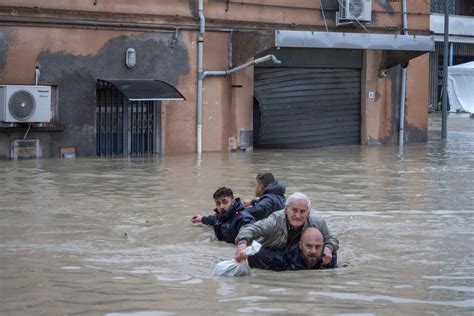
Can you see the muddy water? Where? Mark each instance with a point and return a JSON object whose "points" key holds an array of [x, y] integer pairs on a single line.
{"points": [[114, 237]]}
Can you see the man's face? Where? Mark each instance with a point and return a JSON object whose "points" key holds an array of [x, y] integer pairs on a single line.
{"points": [[311, 250], [223, 203], [297, 212], [259, 189]]}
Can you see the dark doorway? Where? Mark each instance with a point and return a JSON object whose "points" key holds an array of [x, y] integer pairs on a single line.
{"points": [[123, 127], [257, 120]]}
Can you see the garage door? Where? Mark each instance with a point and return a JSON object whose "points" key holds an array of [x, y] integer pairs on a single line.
{"points": [[298, 107]]}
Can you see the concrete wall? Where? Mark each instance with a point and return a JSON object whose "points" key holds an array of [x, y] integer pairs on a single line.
{"points": [[72, 60], [77, 42], [380, 116], [222, 13]]}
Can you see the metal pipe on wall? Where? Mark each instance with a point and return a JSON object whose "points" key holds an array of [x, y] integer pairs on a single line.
{"points": [[202, 30], [203, 74], [444, 120], [401, 133]]}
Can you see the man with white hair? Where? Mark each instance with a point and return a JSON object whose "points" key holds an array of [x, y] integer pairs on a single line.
{"points": [[283, 229]]}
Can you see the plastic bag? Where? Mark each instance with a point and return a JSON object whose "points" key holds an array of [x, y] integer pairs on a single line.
{"points": [[234, 268]]}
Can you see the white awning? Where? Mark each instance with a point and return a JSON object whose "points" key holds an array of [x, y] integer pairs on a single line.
{"points": [[396, 48]]}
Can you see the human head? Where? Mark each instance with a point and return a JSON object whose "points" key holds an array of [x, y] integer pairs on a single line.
{"points": [[311, 246], [297, 209], [263, 179], [224, 197]]}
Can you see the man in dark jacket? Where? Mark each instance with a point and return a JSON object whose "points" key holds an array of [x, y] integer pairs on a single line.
{"points": [[308, 255], [271, 196], [282, 230], [230, 215]]}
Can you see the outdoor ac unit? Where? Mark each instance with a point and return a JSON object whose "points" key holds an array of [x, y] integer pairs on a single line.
{"points": [[360, 10], [25, 104]]}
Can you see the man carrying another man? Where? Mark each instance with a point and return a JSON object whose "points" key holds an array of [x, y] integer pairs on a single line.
{"points": [[280, 235]]}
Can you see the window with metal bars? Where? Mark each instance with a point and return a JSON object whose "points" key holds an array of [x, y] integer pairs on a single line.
{"points": [[123, 127], [456, 7]]}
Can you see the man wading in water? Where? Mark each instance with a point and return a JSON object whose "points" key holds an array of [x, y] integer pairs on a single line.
{"points": [[282, 230], [271, 196]]}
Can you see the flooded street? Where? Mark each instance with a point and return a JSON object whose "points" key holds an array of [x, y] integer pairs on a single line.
{"points": [[114, 237]]}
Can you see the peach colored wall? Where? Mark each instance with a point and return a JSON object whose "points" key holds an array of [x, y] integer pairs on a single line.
{"points": [[417, 96], [295, 14], [379, 122], [178, 118], [377, 113], [216, 89], [242, 102]]}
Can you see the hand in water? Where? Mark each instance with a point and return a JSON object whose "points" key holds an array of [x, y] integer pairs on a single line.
{"points": [[240, 252], [196, 219], [327, 255]]}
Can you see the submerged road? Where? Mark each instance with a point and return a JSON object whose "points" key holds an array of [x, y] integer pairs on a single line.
{"points": [[114, 237]]}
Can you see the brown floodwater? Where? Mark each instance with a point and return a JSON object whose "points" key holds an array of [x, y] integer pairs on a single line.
{"points": [[101, 236]]}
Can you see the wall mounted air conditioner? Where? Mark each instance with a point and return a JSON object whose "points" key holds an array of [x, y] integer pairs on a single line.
{"points": [[25, 104], [351, 10]]}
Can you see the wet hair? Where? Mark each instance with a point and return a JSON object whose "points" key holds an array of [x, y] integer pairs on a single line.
{"points": [[265, 178], [223, 192], [298, 196]]}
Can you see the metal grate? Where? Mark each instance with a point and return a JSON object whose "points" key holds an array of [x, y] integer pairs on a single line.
{"points": [[123, 127], [437, 6]]}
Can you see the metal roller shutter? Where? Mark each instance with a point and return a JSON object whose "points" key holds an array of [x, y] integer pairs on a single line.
{"points": [[307, 107]]}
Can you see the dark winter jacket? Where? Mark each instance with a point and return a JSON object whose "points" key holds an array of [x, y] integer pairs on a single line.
{"points": [[272, 199], [227, 225], [278, 260], [296, 261]]}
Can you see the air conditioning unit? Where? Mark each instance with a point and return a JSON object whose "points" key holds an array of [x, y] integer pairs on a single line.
{"points": [[25, 104], [360, 10]]}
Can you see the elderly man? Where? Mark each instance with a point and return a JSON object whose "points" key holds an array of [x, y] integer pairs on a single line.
{"points": [[283, 229]]}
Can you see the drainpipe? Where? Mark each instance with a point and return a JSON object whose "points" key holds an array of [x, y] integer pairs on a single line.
{"points": [[203, 74], [444, 118], [202, 26], [401, 133]]}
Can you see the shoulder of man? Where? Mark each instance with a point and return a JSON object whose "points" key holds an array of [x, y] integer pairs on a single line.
{"points": [[314, 216]]}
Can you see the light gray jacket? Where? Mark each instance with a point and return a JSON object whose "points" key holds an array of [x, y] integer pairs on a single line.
{"points": [[272, 232]]}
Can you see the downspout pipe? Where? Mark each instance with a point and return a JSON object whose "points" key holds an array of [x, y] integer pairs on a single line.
{"points": [[401, 133], [202, 30], [201, 74], [444, 117]]}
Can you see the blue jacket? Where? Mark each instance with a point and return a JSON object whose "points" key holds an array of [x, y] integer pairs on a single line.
{"points": [[227, 225], [272, 199]]}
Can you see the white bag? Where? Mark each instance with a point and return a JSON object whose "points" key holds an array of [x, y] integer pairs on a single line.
{"points": [[234, 268]]}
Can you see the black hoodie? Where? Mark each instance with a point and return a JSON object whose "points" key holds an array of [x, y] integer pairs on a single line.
{"points": [[227, 225]]}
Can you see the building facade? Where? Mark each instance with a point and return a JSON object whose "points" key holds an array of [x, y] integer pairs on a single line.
{"points": [[338, 81], [461, 42]]}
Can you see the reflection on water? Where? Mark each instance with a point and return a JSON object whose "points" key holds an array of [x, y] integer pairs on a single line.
{"points": [[114, 236]]}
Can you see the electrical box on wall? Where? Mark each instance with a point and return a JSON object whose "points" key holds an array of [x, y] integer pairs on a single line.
{"points": [[25, 104], [25, 149]]}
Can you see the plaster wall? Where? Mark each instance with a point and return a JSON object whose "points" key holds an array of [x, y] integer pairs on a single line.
{"points": [[416, 113], [72, 60], [303, 13], [242, 102], [380, 116]]}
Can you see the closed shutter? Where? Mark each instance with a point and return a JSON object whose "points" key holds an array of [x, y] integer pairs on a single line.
{"points": [[307, 107]]}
